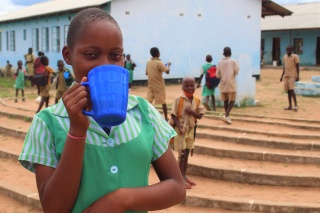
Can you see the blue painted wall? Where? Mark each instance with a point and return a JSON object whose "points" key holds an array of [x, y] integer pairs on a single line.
{"points": [[286, 37]]}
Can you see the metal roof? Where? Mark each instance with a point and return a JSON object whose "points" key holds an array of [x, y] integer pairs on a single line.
{"points": [[50, 7], [305, 16], [270, 8]]}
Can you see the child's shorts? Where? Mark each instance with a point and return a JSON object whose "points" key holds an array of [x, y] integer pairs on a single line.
{"points": [[158, 95], [44, 90], [288, 83], [230, 96], [187, 141]]}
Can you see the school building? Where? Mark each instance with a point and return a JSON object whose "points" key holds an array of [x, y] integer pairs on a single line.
{"points": [[185, 31], [301, 30]]}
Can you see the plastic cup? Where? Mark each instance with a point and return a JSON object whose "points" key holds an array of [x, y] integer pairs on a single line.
{"points": [[109, 92]]}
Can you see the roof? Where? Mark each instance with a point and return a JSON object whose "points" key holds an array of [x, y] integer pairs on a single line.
{"points": [[305, 16], [270, 8], [51, 7]]}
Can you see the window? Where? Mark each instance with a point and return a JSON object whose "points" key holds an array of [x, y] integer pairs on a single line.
{"points": [[66, 29], [35, 39], [45, 39], [12, 41], [298, 46], [7, 37], [55, 39], [0, 41], [24, 34]]}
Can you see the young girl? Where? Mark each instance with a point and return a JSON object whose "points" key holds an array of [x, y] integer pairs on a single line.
{"points": [[20, 78], [81, 167], [129, 65]]}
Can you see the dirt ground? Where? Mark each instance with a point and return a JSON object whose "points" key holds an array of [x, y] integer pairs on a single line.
{"points": [[269, 93]]}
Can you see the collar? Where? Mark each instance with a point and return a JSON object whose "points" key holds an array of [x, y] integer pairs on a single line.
{"points": [[155, 58]]}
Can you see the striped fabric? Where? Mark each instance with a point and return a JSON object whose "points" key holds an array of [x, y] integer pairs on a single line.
{"points": [[39, 144]]}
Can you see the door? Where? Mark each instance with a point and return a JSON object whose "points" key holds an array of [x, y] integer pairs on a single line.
{"points": [[318, 51], [276, 49]]}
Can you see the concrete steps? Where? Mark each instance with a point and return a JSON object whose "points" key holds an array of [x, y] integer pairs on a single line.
{"points": [[244, 164]]}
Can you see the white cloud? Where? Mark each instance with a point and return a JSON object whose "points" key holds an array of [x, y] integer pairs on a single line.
{"points": [[7, 6]]}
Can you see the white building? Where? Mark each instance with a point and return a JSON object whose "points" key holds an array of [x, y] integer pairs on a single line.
{"points": [[184, 31]]}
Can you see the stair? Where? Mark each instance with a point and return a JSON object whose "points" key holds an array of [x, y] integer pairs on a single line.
{"points": [[257, 164]]}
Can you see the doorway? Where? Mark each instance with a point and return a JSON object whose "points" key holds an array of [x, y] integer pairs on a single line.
{"points": [[318, 51], [276, 49]]}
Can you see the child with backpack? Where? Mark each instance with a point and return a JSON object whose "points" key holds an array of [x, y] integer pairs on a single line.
{"points": [[209, 71], [20, 80], [44, 89], [186, 109], [64, 80]]}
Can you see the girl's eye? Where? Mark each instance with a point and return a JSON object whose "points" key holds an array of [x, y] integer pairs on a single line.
{"points": [[116, 55], [91, 54]]}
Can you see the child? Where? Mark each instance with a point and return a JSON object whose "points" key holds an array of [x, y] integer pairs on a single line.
{"points": [[81, 167], [129, 65], [291, 71], [61, 83], [19, 83], [227, 70], [44, 90], [8, 69], [156, 85], [184, 123], [206, 92]]}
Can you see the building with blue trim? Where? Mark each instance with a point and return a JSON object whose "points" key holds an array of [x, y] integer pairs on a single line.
{"points": [[301, 29]]}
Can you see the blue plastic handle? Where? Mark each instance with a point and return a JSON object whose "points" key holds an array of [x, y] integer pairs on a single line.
{"points": [[88, 113]]}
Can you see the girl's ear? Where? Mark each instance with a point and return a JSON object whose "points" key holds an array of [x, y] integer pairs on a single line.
{"points": [[66, 53]]}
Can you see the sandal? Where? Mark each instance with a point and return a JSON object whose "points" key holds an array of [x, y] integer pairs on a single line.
{"points": [[295, 108], [191, 182], [287, 108]]}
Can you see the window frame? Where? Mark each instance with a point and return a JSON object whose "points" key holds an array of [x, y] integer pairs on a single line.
{"points": [[55, 38]]}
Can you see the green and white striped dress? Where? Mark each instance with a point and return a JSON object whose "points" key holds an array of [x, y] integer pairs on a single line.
{"points": [[121, 159]]}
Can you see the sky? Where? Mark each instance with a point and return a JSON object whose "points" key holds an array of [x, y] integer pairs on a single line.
{"points": [[8, 6]]}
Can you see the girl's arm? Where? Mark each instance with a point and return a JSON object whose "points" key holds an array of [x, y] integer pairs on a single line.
{"points": [[168, 192], [58, 188]]}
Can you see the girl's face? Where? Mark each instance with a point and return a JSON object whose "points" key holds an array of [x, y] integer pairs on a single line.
{"points": [[189, 86], [100, 44]]}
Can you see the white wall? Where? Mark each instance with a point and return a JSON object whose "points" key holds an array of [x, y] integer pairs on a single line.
{"points": [[186, 40]]}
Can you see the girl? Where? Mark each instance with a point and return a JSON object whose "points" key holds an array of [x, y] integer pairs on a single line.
{"points": [[20, 78], [129, 65], [81, 167]]}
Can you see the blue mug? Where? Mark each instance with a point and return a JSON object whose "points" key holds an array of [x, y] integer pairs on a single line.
{"points": [[109, 93]]}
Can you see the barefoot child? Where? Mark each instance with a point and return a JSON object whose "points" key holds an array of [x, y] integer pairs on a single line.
{"points": [[186, 109], [81, 167], [61, 83], [129, 65], [20, 78]]}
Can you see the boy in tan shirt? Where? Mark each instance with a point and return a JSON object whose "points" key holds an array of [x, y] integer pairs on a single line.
{"points": [[291, 73], [227, 70]]}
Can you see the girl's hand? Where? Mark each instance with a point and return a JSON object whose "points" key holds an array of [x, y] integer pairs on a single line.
{"points": [[75, 100]]}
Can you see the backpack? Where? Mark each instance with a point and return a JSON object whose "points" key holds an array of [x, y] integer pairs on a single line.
{"points": [[68, 77], [40, 77], [211, 79], [180, 106]]}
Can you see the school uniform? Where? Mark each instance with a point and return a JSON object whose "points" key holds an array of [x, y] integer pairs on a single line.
{"points": [[119, 159], [227, 70], [188, 138], [128, 66], [19, 82], [206, 91], [156, 86], [61, 84], [30, 59], [44, 90], [290, 71]]}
